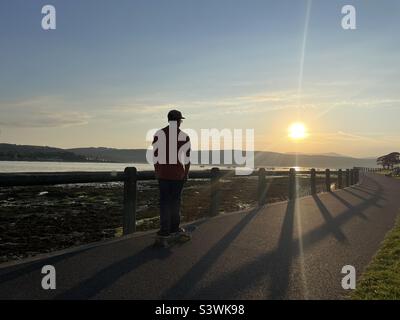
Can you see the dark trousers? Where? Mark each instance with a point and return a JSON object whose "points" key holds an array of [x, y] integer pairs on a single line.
{"points": [[170, 205]]}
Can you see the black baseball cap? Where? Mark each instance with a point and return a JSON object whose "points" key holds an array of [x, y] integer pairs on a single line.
{"points": [[175, 115]]}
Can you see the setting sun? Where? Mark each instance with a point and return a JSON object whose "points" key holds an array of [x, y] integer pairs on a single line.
{"points": [[297, 131]]}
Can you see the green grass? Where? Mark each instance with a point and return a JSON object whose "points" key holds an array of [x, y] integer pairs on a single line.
{"points": [[384, 172], [381, 280]]}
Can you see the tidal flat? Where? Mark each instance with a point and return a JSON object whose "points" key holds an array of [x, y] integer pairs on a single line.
{"points": [[44, 219]]}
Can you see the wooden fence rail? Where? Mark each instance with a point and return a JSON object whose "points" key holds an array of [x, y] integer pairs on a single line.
{"points": [[131, 176]]}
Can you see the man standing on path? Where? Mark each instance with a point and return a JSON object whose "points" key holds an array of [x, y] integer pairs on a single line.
{"points": [[171, 155]]}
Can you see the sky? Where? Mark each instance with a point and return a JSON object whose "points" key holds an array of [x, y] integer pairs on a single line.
{"points": [[111, 70]]}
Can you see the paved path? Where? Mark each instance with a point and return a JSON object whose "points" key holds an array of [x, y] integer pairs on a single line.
{"points": [[289, 250]]}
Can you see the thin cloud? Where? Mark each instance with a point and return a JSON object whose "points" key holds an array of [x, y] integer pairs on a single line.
{"points": [[40, 112], [256, 103], [351, 137]]}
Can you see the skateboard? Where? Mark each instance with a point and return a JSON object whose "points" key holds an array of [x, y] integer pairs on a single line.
{"points": [[182, 237]]}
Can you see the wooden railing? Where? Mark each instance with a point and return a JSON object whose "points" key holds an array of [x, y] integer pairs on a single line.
{"points": [[130, 177]]}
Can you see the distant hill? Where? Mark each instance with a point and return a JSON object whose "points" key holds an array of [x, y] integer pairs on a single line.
{"points": [[331, 154], [262, 158], [13, 152], [111, 154], [304, 160]]}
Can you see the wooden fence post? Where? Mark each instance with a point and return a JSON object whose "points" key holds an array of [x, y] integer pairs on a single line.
{"points": [[328, 180], [347, 177], [351, 177], [292, 184], [130, 195], [262, 187], [313, 182], [215, 192], [340, 179]]}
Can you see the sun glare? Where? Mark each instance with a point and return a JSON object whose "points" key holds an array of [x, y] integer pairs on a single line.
{"points": [[297, 131]]}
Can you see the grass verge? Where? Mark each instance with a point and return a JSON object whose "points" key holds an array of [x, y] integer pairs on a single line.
{"points": [[384, 172], [381, 280]]}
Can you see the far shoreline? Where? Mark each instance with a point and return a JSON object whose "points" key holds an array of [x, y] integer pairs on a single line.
{"points": [[60, 160]]}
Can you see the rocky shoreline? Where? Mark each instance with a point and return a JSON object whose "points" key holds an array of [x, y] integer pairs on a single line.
{"points": [[41, 219]]}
